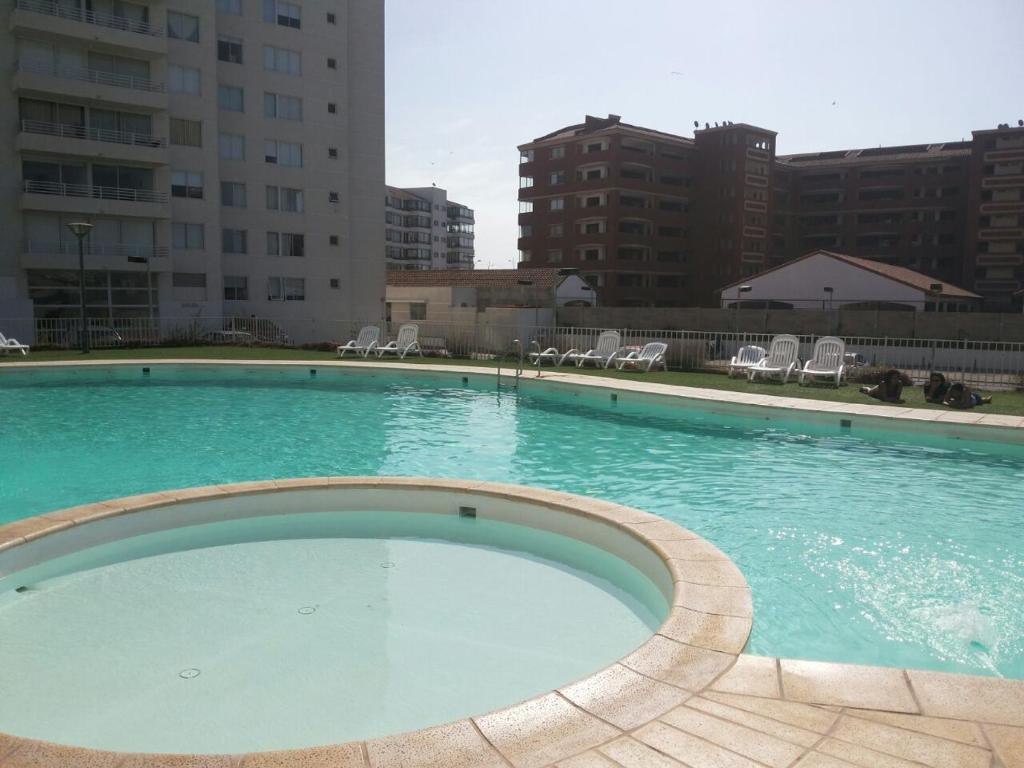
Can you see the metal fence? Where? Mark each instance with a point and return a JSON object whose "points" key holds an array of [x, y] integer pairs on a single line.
{"points": [[987, 364]]}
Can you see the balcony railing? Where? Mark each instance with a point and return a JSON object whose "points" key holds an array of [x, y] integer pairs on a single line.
{"points": [[87, 190], [108, 20], [91, 76], [122, 250], [65, 131]]}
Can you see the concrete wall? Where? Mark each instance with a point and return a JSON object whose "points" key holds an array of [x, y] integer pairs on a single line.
{"points": [[979, 326]]}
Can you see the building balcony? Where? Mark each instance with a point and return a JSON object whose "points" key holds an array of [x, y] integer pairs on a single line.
{"points": [[107, 30], [99, 143], [42, 254], [99, 201], [78, 83], [1000, 234]]}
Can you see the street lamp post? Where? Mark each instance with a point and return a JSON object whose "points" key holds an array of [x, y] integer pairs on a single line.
{"points": [[81, 230], [740, 290]]}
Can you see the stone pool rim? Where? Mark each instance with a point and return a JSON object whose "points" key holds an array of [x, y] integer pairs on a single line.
{"points": [[708, 623]]}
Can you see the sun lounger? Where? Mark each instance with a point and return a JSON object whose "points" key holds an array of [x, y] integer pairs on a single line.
{"points": [[827, 361], [12, 345], [364, 343], [407, 341], [651, 356], [747, 357], [781, 361], [609, 344]]}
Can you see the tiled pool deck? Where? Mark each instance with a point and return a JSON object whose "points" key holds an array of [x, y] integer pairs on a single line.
{"points": [[688, 697]]}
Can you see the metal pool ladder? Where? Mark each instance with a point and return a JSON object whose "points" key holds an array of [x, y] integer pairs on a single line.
{"points": [[516, 354]]}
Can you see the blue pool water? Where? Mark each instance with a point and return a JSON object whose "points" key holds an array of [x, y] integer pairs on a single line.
{"points": [[865, 547]]}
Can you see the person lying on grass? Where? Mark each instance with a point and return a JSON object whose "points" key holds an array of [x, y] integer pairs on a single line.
{"points": [[935, 388], [962, 396], [890, 388]]}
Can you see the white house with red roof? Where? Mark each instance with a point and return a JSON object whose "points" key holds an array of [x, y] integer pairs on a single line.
{"points": [[828, 280]]}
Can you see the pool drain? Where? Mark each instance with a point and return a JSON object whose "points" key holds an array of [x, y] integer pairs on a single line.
{"points": [[387, 564], [189, 673], [307, 609]]}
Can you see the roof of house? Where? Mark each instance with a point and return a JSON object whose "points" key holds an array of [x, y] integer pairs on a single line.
{"points": [[914, 152], [597, 124], [899, 274], [476, 278]]}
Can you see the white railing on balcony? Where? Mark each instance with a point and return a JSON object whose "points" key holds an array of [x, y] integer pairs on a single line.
{"points": [[120, 250], [65, 131], [90, 76], [109, 20], [88, 190]]}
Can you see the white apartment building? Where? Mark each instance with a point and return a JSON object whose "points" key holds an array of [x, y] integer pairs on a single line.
{"points": [[228, 153], [426, 230]]}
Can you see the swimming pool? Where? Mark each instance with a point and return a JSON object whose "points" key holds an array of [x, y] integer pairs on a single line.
{"points": [[875, 547]]}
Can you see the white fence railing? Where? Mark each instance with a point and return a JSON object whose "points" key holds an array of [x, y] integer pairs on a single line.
{"points": [[90, 248], [109, 20], [126, 194], [90, 76], [991, 364], [67, 131]]}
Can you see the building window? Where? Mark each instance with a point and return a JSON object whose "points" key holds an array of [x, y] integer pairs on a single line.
{"points": [[332, 153], [234, 241], [282, 13], [281, 107], [188, 279], [182, 80], [332, 63], [236, 288], [286, 289], [182, 26], [285, 244], [418, 311], [558, 204], [332, 19], [332, 108], [335, 283], [187, 237], [229, 49], [556, 230], [284, 199], [282, 153], [557, 153], [333, 240], [232, 146], [187, 184], [333, 197], [282, 60], [232, 194], [557, 177], [231, 98], [554, 256], [233, 7], [185, 133]]}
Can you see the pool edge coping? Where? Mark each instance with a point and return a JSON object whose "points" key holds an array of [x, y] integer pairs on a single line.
{"points": [[965, 420]]}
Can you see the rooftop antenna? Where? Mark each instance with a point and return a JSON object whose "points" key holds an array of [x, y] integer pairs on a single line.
{"points": [[696, 123], [716, 123], [706, 126]]}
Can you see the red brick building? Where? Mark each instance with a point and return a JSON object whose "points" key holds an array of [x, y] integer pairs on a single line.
{"points": [[657, 219]]}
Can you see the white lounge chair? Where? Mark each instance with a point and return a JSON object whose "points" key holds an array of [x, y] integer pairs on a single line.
{"points": [[651, 356], [12, 345], [407, 341], [549, 355], [609, 344], [747, 356], [364, 343], [780, 363], [827, 361]]}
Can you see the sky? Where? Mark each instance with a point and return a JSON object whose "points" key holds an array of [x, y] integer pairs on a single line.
{"points": [[469, 80]]}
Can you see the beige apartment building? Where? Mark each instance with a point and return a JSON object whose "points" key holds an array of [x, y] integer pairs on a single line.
{"points": [[228, 153]]}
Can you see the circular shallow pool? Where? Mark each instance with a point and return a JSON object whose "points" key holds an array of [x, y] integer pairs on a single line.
{"points": [[248, 623], [898, 547]]}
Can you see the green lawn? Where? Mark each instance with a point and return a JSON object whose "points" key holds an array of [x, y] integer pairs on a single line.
{"points": [[1003, 402]]}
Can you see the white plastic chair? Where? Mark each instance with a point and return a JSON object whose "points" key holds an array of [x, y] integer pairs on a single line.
{"points": [[652, 355], [609, 343], [407, 341], [13, 345], [364, 343], [827, 361], [781, 361], [746, 357]]}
